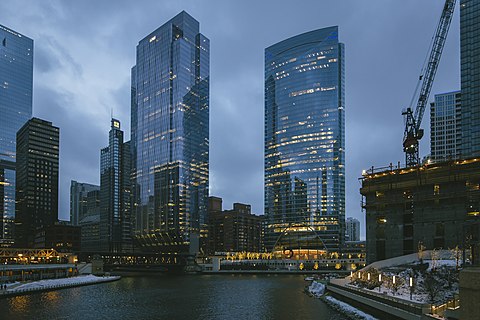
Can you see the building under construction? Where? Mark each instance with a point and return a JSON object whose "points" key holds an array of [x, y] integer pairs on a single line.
{"points": [[431, 205]]}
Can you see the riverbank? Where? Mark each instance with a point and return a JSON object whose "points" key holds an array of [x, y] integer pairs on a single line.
{"points": [[21, 288]]}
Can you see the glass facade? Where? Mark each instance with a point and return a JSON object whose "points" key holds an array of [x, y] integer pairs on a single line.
{"points": [[115, 191], [79, 204], [470, 76], [305, 143], [16, 83], [445, 127], [170, 136]]}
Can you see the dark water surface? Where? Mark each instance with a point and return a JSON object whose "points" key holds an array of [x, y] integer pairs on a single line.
{"points": [[175, 297]]}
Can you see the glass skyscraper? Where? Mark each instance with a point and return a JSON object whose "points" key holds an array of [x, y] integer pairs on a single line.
{"points": [[470, 76], [305, 144], [445, 126], [170, 136], [16, 86], [115, 193]]}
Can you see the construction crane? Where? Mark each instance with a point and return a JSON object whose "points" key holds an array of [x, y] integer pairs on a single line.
{"points": [[413, 120]]}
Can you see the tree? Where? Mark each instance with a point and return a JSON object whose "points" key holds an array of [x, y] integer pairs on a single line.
{"points": [[457, 255], [434, 257], [432, 287]]}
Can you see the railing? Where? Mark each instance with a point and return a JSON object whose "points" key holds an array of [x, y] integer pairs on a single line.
{"points": [[411, 307]]}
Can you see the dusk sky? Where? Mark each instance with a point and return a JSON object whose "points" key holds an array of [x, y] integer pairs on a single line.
{"points": [[84, 51]]}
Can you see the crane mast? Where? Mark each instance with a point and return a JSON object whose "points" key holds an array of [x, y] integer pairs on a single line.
{"points": [[413, 119]]}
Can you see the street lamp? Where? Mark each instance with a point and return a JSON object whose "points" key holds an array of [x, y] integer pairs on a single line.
{"points": [[379, 280], [411, 287]]}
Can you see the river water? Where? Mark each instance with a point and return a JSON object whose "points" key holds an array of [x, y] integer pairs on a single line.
{"points": [[175, 297]]}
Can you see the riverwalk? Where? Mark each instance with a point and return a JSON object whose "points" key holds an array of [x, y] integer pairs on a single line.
{"points": [[21, 288]]}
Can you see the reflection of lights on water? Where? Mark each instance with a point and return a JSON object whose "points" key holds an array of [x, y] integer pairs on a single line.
{"points": [[20, 303], [52, 296]]}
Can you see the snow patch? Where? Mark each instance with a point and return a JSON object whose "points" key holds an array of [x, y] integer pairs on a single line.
{"points": [[348, 309], [50, 283], [317, 289]]}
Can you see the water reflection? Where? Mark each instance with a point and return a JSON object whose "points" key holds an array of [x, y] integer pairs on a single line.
{"points": [[175, 297]]}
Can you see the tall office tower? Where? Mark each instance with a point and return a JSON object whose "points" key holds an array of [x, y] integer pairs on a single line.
{"points": [[16, 86], [170, 134], [470, 76], [79, 205], [305, 143], [115, 193], [37, 180], [353, 229], [445, 127]]}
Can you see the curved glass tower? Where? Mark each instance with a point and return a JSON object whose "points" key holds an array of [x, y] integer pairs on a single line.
{"points": [[170, 132], [16, 89], [305, 144]]}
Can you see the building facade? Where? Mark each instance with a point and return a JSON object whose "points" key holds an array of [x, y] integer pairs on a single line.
{"points": [[445, 127], [236, 230], [353, 229], [470, 76], [79, 200], [170, 136], [16, 87], [305, 142], [436, 206], [37, 180], [115, 193]]}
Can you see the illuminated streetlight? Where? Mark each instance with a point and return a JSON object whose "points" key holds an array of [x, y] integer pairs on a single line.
{"points": [[380, 281]]}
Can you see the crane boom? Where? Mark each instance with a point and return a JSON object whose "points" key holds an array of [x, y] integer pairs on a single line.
{"points": [[413, 132]]}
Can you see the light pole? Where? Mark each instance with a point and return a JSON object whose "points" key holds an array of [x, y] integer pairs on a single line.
{"points": [[411, 287]]}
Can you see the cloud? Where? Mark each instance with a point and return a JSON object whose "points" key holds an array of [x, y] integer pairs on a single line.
{"points": [[84, 51]]}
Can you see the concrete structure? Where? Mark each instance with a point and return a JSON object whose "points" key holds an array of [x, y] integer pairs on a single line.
{"points": [[170, 136], [305, 141], [445, 127], [470, 293], [16, 88], [352, 229], [60, 236], [37, 180], [436, 206], [234, 230]]}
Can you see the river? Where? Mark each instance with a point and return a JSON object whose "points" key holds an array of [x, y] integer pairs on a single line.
{"points": [[175, 297]]}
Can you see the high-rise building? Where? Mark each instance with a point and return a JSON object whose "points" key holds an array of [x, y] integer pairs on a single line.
{"points": [[353, 229], [445, 127], [16, 86], [434, 205], [170, 136], [235, 230], [470, 76], [79, 204], [115, 193], [90, 224], [305, 142], [37, 180]]}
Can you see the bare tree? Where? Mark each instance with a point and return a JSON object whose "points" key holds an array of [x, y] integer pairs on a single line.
{"points": [[432, 287], [434, 257]]}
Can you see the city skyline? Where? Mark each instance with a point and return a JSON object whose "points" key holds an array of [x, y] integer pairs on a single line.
{"points": [[377, 88]]}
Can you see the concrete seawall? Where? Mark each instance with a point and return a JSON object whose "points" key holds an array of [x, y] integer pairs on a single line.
{"points": [[55, 284]]}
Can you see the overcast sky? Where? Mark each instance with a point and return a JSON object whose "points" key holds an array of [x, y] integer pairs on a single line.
{"points": [[84, 51]]}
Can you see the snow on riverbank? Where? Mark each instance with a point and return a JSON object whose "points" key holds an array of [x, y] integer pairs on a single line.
{"points": [[63, 282], [316, 289], [347, 309]]}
